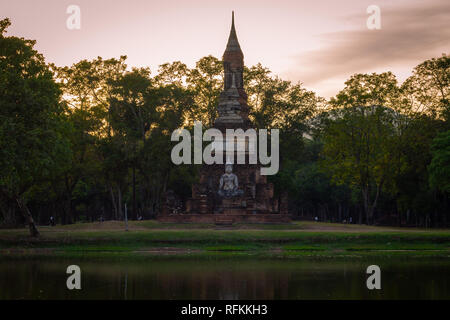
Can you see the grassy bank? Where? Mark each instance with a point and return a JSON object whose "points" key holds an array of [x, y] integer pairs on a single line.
{"points": [[288, 240]]}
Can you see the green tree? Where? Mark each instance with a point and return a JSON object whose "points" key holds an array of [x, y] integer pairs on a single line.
{"points": [[206, 82], [88, 87], [145, 112], [360, 138], [358, 151], [428, 89], [409, 186], [32, 143], [440, 164], [369, 90], [174, 73]]}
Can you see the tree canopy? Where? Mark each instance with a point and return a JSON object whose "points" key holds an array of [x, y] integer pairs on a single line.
{"points": [[78, 142]]}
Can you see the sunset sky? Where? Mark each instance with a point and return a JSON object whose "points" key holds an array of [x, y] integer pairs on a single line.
{"points": [[319, 43]]}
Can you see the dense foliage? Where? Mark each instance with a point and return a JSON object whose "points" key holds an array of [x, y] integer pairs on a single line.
{"points": [[78, 142]]}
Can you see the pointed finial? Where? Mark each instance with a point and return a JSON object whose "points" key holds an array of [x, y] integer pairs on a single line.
{"points": [[233, 43]]}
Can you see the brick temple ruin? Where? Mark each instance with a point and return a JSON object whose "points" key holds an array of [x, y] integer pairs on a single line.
{"points": [[230, 193]]}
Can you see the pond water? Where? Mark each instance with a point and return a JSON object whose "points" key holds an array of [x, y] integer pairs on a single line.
{"points": [[225, 278]]}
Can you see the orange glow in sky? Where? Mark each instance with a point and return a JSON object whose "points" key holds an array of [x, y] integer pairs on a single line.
{"points": [[319, 43]]}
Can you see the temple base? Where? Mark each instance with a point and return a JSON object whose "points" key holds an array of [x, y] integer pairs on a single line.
{"points": [[222, 218]]}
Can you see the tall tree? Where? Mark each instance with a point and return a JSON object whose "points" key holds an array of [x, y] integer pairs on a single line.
{"points": [[32, 143], [88, 87], [361, 135]]}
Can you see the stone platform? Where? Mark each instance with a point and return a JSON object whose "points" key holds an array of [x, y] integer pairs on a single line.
{"points": [[223, 218]]}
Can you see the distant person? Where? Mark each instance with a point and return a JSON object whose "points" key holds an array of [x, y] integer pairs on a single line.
{"points": [[101, 219], [350, 220], [316, 218], [52, 221], [139, 218]]}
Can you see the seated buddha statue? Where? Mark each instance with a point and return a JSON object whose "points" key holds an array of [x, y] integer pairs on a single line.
{"points": [[229, 184]]}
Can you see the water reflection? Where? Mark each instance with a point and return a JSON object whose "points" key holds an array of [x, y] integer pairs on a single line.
{"points": [[221, 278]]}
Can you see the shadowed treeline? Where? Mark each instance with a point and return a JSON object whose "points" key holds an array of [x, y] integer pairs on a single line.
{"points": [[79, 142]]}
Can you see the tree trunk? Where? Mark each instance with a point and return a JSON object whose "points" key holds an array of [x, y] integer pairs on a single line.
{"points": [[68, 209], [369, 206], [359, 215], [119, 204], [114, 203], [134, 193], [28, 217]]}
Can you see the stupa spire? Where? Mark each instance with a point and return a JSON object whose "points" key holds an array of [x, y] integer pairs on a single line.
{"points": [[233, 43], [233, 108]]}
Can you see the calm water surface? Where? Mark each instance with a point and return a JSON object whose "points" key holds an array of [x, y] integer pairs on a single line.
{"points": [[225, 278]]}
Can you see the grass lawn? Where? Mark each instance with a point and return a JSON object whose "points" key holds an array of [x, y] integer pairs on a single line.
{"points": [[298, 239]]}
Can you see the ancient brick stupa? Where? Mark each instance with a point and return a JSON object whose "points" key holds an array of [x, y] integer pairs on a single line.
{"points": [[230, 192]]}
